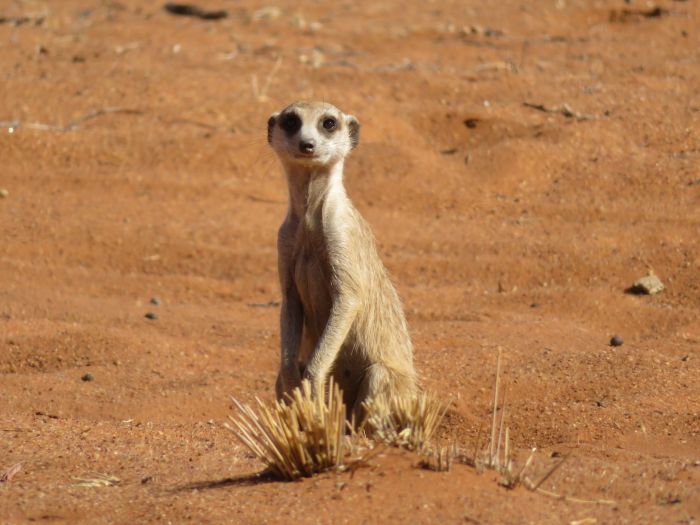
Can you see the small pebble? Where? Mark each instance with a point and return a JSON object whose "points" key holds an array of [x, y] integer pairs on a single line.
{"points": [[151, 315], [535, 305], [4, 193], [648, 285], [155, 300], [616, 340], [87, 377]]}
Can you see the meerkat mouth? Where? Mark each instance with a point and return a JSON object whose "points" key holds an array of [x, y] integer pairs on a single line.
{"points": [[302, 155]]}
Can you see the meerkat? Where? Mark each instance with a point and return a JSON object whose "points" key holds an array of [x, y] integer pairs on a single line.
{"points": [[340, 313]]}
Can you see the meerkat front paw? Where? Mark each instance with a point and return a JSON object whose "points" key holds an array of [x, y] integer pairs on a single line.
{"points": [[317, 382], [286, 383]]}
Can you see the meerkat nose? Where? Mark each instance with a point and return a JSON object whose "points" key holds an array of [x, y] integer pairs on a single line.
{"points": [[306, 146]]}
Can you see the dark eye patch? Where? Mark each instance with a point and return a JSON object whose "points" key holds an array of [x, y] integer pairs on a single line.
{"points": [[270, 124], [291, 123]]}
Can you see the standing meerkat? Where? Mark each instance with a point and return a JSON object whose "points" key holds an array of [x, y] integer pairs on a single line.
{"points": [[340, 312]]}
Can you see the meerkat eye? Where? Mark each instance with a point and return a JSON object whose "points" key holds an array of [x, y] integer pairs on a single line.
{"points": [[291, 123], [329, 124]]}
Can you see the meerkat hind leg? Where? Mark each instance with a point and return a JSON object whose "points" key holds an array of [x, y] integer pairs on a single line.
{"points": [[375, 382], [348, 375]]}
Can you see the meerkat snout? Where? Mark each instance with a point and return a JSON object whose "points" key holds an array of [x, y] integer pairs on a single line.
{"points": [[307, 146]]}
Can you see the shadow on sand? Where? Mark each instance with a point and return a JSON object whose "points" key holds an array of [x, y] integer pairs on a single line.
{"points": [[238, 481]]}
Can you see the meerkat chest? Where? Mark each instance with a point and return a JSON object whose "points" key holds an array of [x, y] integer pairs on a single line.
{"points": [[312, 273]]}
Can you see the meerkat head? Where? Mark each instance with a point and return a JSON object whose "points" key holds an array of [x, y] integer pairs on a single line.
{"points": [[312, 133]]}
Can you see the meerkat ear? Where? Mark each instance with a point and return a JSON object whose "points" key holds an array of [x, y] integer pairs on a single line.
{"points": [[271, 124], [353, 130]]}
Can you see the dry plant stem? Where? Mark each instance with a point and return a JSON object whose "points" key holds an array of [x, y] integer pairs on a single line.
{"points": [[572, 499], [98, 113], [363, 461], [500, 429], [564, 109], [478, 443], [495, 405], [8, 474], [100, 480], [527, 463], [506, 448], [550, 472], [73, 124], [261, 94]]}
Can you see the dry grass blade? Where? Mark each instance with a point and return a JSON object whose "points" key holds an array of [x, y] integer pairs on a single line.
{"points": [[548, 474], [497, 454], [296, 439], [495, 410], [261, 94], [100, 480], [8, 474], [72, 125], [572, 499], [440, 459], [405, 422]]}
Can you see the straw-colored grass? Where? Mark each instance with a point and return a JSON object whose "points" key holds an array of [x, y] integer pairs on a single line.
{"points": [[407, 422], [498, 456], [306, 435], [296, 439], [440, 459]]}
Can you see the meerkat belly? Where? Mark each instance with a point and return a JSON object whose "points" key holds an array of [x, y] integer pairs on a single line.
{"points": [[314, 294]]}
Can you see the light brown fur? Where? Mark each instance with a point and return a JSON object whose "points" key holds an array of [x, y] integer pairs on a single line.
{"points": [[340, 312]]}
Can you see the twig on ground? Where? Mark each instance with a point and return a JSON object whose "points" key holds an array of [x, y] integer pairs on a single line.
{"points": [[549, 473], [12, 125], [100, 480], [193, 10], [626, 15], [98, 113], [572, 499], [495, 66], [10, 472], [37, 20], [564, 109], [261, 94], [356, 464], [492, 443]]}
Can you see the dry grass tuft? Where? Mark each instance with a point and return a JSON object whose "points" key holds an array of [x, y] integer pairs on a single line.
{"points": [[297, 439], [405, 422], [498, 455], [306, 435], [440, 459]]}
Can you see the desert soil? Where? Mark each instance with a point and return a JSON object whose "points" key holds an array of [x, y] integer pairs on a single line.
{"points": [[521, 164]]}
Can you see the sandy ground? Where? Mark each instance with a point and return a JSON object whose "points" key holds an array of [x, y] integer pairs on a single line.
{"points": [[135, 166]]}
